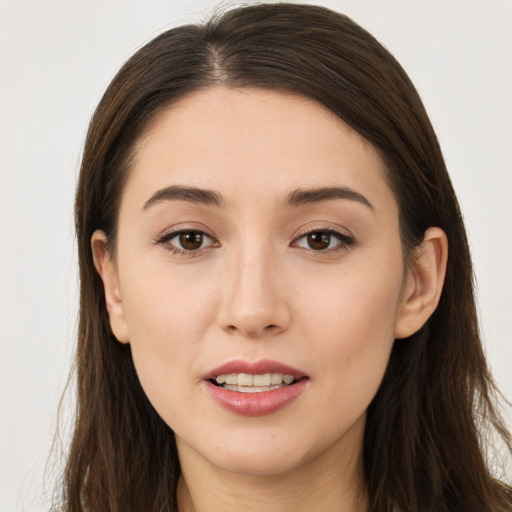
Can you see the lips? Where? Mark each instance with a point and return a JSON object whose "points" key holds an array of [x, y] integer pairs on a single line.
{"points": [[255, 388], [261, 367]]}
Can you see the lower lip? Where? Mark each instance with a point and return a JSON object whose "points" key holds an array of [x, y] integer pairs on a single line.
{"points": [[256, 404]]}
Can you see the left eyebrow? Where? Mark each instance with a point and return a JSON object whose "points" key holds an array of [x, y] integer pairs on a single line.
{"points": [[185, 193], [301, 197]]}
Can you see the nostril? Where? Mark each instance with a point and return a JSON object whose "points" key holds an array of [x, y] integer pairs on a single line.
{"points": [[269, 329]]}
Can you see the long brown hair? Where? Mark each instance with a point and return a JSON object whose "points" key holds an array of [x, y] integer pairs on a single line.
{"points": [[423, 446]]}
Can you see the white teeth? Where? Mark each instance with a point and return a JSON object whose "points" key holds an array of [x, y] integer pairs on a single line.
{"points": [[231, 379], [248, 389], [262, 380], [244, 379], [249, 383], [277, 378], [252, 389]]}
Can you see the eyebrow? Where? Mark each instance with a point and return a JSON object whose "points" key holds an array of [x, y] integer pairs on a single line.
{"points": [[185, 193], [302, 197], [296, 198]]}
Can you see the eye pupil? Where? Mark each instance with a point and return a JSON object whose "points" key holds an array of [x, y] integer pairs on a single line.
{"points": [[319, 240], [191, 240]]}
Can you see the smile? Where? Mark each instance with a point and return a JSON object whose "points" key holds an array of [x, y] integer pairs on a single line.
{"points": [[255, 388]]}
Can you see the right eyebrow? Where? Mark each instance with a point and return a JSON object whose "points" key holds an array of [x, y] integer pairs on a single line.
{"points": [[185, 193]]}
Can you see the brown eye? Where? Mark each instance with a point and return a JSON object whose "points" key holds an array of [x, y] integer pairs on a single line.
{"points": [[191, 240], [327, 240], [319, 240], [186, 241]]}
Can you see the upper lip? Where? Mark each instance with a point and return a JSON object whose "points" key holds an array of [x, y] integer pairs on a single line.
{"points": [[254, 368]]}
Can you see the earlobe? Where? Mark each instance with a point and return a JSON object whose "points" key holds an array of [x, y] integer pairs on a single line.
{"points": [[107, 270], [424, 283]]}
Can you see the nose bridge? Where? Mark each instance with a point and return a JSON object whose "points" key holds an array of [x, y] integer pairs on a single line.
{"points": [[254, 303]]}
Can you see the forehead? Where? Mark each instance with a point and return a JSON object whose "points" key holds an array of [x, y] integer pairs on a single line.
{"points": [[229, 139]]}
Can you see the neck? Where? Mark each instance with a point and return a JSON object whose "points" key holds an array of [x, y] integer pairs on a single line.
{"points": [[333, 481]]}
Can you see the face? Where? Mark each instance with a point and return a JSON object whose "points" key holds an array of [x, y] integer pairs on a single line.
{"points": [[258, 236]]}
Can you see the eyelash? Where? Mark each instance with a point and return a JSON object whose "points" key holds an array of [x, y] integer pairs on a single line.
{"points": [[344, 241], [167, 237]]}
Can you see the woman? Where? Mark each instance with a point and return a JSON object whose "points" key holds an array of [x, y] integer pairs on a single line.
{"points": [[277, 310]]}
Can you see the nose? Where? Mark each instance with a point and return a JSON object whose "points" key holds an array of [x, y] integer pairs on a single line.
{"points": [[254, 301]]}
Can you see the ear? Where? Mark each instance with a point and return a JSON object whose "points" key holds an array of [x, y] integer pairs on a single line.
{"points": [[424, 283], [107, 270]]}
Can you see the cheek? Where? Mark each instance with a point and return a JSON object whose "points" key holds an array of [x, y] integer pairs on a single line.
{"points": [[165, 303], [350, 321], [354, 304], [167, 315]]}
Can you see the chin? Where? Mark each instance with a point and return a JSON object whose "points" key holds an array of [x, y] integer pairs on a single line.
{"points": [[267, 453], [258, 463]]}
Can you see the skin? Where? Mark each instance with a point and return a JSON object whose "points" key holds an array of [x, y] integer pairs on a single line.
{"points": [[256, 289]]}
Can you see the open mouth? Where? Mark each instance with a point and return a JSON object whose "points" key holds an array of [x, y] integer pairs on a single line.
{"points": [[255, 388], [249, 383]]}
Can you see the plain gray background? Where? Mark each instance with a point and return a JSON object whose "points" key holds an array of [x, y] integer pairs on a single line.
{"points": [[56, 59]]}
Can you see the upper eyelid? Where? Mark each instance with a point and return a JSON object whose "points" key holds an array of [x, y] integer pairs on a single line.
{"points": [[173, 233], [336, 231], [169, 233]]}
